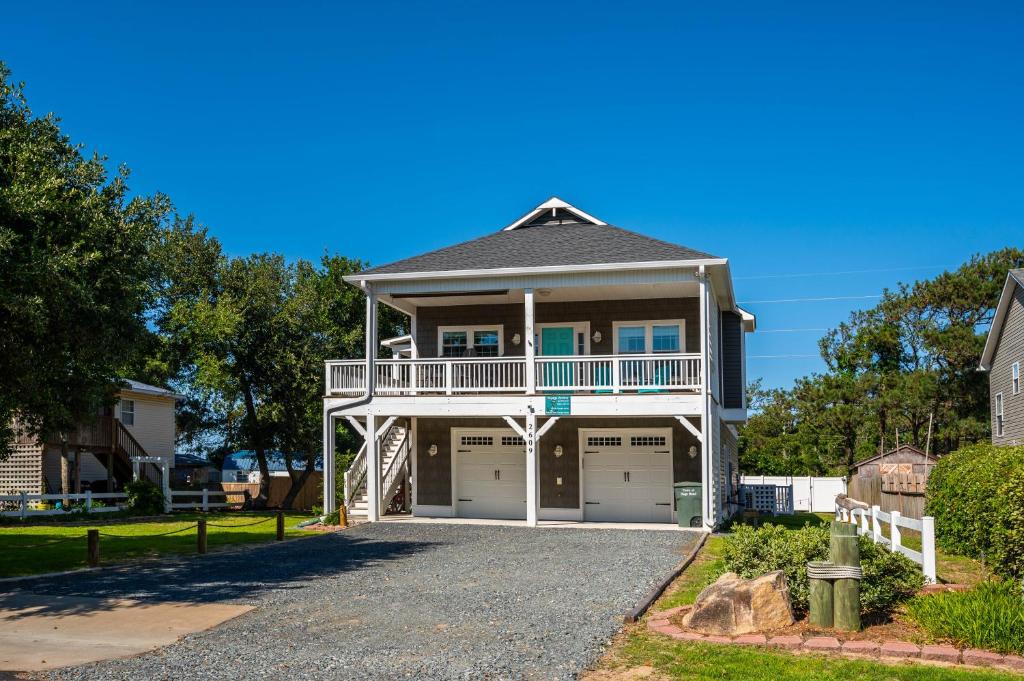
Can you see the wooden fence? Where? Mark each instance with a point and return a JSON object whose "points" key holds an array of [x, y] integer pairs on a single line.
{"points": [[905, 499], [309, 496]]}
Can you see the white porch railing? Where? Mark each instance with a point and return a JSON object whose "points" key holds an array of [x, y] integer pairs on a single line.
{"points": [[26, 504], [588, 373], [869, 519], [354, 476]]}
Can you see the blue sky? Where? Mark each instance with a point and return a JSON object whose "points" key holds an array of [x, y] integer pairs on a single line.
{"points": [[793, 138]]}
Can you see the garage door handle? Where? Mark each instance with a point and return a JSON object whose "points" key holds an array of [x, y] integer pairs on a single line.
{"points": [[592, 503], [662, 504], [465, 500]]}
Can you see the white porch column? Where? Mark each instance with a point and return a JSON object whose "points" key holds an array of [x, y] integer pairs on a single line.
{"points": [[528, 336], [532, 479], [371, 343], [372, 470], [705, 426], [329, 490]]}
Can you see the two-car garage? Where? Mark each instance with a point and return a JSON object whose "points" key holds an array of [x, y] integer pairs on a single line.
{"points": [[625, 474]]}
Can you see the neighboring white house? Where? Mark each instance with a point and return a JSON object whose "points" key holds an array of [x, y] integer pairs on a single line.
{"points": [[141, 423], [560, 368]]}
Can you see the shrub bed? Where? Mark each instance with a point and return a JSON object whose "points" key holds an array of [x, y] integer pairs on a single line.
{"points": [[990, 616], [889, 578], [976, 496]]}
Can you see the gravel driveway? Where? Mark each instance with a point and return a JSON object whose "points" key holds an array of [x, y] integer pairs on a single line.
{"points": [[390, 600]]}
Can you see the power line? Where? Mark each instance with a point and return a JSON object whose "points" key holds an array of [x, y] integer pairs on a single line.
{"points": [[808, 300], [827, 274], [788, 330], [781, 356]]}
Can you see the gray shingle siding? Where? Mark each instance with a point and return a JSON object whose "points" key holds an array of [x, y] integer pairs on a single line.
{"points": [[544, 246], [1009, 349], [732, 361]]}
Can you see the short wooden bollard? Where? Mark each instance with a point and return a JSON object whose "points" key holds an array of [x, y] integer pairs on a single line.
{"points": [[94, 548], [342, 516], [821, 614], [280, 526], [201, 535], [846, 592]]}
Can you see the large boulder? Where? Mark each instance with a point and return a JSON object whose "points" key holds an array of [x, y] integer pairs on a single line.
{"points": [[733, 605]]}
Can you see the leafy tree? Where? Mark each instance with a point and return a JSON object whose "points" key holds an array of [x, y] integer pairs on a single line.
{"points": [[906, 367], [248, 337], [75, 272]]}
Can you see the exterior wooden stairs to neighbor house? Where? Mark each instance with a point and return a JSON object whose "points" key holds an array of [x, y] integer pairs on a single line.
{"points": [[393, 448], [109, 441]]}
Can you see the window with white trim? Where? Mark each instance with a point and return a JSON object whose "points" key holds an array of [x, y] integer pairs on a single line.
{"points": [[1015, 377], [999, 414], [128, 412], [657, 336], [470, 341]]}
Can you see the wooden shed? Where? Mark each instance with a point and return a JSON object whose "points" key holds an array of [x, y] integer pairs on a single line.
{"points": [[895, 480]]}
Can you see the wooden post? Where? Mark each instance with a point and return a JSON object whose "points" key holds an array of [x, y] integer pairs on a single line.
{"points": [[201, 535], [821, 603], [846, 592], [343, 516], [280, 526], [94, 548], [78, 471], [928, 549]]}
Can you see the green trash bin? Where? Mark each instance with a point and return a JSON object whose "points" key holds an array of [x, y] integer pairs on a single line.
{"points": [[688, 502]]}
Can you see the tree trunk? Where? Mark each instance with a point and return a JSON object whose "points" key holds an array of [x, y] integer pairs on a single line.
{"points": [[65, 470], [298, 480], [256, 435]]}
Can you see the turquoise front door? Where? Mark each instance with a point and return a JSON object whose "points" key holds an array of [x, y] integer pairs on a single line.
{"points": [[557, 340]]}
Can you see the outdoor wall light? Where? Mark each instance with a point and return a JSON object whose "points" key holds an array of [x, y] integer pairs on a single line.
{"points": [[596, 337], [432, 450], [693, 451], [517, 339], [559, 451]]}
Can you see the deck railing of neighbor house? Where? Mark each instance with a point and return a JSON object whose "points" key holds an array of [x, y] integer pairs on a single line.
{"points": [[869, 519], [572, 373]]}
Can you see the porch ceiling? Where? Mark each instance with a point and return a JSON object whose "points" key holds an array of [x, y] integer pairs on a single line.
{"points": [[680, 289]]}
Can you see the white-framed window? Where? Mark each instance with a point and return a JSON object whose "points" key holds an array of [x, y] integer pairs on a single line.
{"points": [[649, 337], [999, 414], [128, 412], [1015, 377], [470, 341]]}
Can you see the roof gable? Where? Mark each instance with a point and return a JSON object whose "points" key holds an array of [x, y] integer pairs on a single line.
{"points": [[555, 234], [1014, 278]]}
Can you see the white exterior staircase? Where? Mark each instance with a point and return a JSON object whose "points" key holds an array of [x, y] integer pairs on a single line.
{"points": [[393, 450]]}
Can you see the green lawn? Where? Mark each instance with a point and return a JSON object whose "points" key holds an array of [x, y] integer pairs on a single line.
{"points": [[53, 547], [679, 660]]}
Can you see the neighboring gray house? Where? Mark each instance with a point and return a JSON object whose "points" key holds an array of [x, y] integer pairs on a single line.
{"points": [[1002, 358], [557, 369]]}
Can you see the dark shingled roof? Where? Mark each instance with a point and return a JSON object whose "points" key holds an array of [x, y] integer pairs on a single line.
{"points": [[544, 245]]}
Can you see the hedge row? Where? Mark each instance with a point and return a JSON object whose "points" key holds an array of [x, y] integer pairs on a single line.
{"points": [[976, 496]]}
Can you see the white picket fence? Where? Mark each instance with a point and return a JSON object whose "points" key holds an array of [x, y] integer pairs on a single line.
{"points": [[869, 522], [200, 500], [28, 504], [811, 494]]}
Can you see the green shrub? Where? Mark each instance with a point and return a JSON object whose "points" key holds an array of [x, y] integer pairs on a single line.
{"points": [[976, 496], [144, 497], [991, 616], [889, 578]]}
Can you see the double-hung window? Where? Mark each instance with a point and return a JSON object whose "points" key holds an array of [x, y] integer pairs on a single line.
{"points": [[128, 412], [649, 337], [470, 341], [1015, 377], [999, 414]]}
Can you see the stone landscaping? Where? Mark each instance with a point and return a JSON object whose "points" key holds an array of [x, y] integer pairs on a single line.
{"points": [[664, 622]]}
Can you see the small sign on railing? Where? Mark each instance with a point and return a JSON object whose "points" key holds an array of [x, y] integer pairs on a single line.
{"points": [[558, 405]]}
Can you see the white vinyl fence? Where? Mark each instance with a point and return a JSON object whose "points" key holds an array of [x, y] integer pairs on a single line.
{"points": [[202, 500], [811, 494], [27, 504], [869, 521]]}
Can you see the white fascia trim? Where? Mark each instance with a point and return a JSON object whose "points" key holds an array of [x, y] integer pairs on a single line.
{"points": [[748, 318], [397, 340], [988, 354], [361, 279], [554, 202]]}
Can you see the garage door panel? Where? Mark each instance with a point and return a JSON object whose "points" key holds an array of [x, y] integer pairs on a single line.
{"points": [[491, 481], [628, 483]]}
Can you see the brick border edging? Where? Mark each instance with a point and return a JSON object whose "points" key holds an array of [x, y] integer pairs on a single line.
{"points": [[889, 651]]}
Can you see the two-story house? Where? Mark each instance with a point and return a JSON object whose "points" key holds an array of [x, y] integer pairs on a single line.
{"points": [[99, 454], [1002, 359], [559, 368]]}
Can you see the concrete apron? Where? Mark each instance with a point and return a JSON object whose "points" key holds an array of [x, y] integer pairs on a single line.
{"points": [[569, 524], [39, 632]]}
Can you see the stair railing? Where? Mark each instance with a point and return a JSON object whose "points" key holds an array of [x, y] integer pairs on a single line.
{"points": [[393, 475], [355, 476]]}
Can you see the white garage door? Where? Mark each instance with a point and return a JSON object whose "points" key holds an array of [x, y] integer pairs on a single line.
{"points": [[490, 474], [627, 475]]}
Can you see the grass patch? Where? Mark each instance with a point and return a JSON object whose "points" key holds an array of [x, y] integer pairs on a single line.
{"points": [[679, 660], [50, 548], [991, 615], [704, 569]]}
